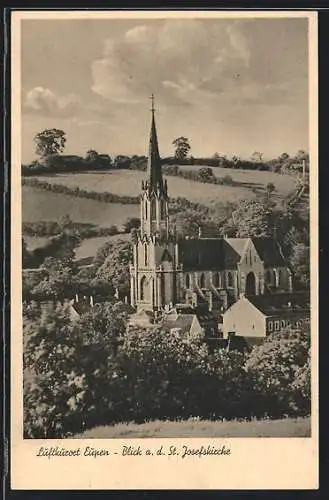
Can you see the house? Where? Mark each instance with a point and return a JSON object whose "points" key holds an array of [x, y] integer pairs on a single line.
{"points": [[260, 315]]}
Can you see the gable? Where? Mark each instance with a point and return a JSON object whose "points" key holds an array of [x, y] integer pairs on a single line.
{"points": [[243, 307], [166, 257], [269, 252]]}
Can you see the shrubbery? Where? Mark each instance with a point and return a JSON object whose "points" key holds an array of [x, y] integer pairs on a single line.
{"points": [[94, 372]]}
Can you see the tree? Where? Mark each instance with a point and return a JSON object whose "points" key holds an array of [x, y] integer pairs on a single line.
{"points": [[257, 157], [132, 223], [235, 160], [274, 368], [91, 156], [112, 261], [270, 188], [206, 174], [69, 386], [182, 148], [300, 263], [50, 142], [103, 325], [284, 157], [250, 219]]}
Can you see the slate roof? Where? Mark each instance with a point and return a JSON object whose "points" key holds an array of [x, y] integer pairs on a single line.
{"points": [[272, 305], [203, 253], [183, 321], [269, 251], [217, 254]]}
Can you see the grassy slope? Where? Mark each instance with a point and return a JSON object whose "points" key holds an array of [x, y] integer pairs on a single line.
{"points": [[41, 205], [127, 182], [300, 427], [44, 205]]}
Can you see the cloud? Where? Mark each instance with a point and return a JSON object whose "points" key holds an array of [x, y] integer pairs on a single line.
{"points": [[180, 61], [43, 101]]}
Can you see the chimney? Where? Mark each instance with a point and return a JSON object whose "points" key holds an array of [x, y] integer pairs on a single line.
{"points": [[200, 232], [91, 299], [76, 297], [304, 168]]}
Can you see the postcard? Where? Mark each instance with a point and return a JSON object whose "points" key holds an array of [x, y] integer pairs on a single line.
{"points": [[164, 250]]}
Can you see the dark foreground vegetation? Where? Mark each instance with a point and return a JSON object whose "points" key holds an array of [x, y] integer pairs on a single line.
{"points": [[92, 371]]}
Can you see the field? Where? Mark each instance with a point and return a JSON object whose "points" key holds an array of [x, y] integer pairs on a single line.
{"points": [[45, 205], [89, 246], [284, 184], [299, 427], [128, 182]]}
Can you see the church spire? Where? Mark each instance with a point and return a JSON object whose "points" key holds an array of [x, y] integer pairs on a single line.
{"points": [[154, 172]]}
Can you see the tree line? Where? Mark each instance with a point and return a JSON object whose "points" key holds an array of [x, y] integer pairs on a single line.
{"points": [[50, 145]]}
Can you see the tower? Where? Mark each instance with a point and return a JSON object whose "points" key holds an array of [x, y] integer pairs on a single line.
{"points": [[153, 272], [154, 197]]}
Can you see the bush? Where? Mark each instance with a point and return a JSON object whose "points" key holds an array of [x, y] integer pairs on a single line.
{"points": [[70, 382], [280, 373]]}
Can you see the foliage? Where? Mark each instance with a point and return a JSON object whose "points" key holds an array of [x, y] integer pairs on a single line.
{"points": [[280, 373], [112, 261], [250, 219], [94, 371], [182, 148], [206, 173], [44, 228], [132, 223], [50, 142], [70, 382]]}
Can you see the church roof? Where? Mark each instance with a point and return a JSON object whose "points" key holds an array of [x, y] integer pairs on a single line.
{"points": [[225, 253], [269, 251], [203, 253]]}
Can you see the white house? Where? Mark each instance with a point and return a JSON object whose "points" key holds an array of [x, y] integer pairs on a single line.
{"points": [[259, 315]]}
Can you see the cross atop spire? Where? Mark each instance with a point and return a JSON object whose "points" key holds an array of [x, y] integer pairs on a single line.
{"points": [[152, 102]]}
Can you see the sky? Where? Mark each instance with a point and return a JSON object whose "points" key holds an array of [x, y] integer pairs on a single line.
{"points": [[232, 86]]}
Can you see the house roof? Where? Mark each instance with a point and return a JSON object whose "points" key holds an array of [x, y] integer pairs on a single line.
{"points": [[271, 305], [182, 321]]}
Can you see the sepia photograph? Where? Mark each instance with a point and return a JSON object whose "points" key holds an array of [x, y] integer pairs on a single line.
{"points": [[165, 229]]}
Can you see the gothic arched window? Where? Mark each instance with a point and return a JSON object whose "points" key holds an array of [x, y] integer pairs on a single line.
{"points": [[143, 288], [163, 210], [187, 281], [215, 280], [230, 280], [145, 209], [202, 281], [268, 277], [145, 255], [152, 210]]}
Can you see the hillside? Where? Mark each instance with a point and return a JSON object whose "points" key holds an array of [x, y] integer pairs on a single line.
{"points": [[51, 206], [128, 182]]}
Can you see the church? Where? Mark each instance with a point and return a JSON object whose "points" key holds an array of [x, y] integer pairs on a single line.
{"points": [[209, 272]]}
